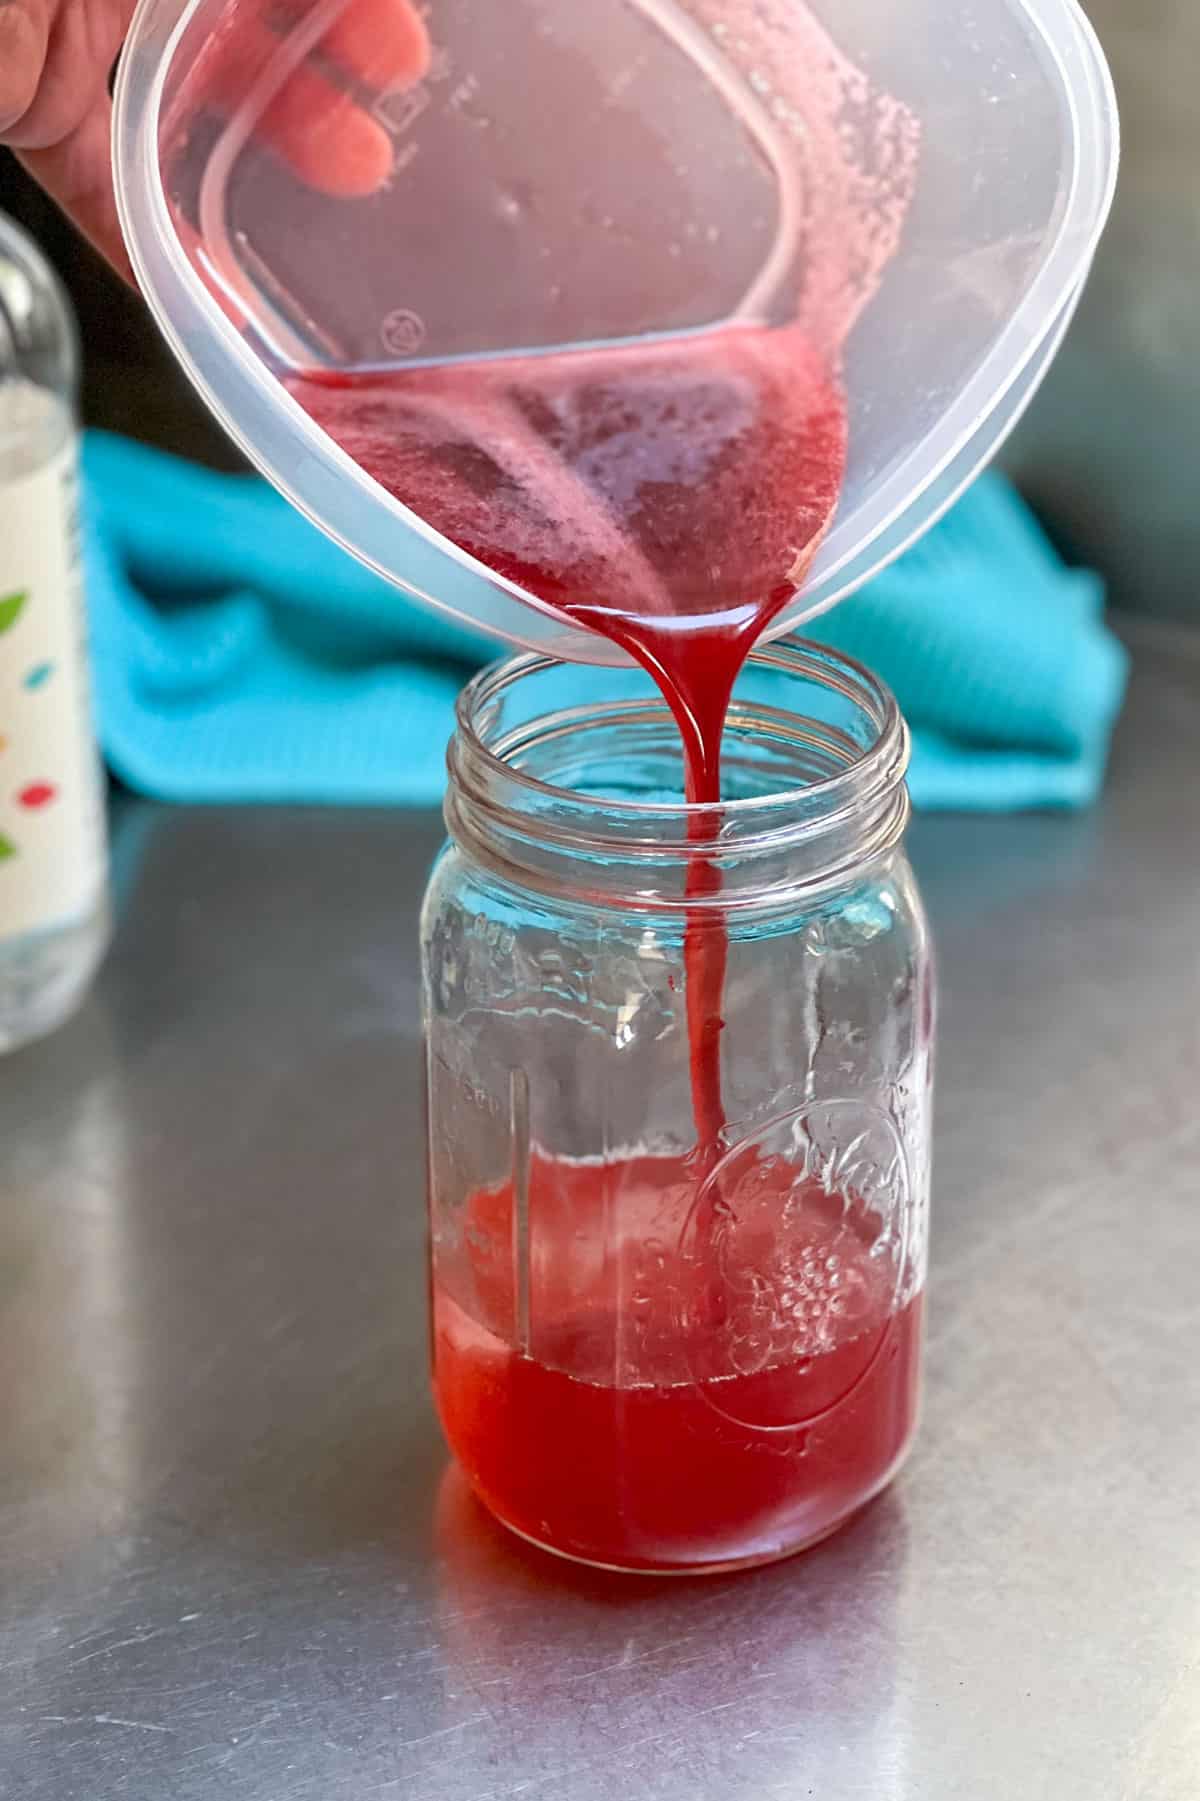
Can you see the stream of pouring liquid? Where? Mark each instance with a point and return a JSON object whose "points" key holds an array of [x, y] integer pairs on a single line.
{"points": [[667, 496]]}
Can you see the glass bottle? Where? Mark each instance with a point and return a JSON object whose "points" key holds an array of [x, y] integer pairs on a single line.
{"points": [[53, 856], [646, 1356]]}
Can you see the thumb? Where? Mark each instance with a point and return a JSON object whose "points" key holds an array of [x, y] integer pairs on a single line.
{"points": [[24, 39], [77, 173]]}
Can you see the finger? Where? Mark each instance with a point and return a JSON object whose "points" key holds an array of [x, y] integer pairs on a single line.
{"points": [[384, 43], [24, 35], [332, 144], [77, 173], [67, 48]]}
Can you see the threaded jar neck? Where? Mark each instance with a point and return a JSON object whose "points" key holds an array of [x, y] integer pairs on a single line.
{"points": [[568, 779]]}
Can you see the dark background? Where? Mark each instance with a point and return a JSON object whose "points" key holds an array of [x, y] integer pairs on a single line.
{"points": [[131, 382]]}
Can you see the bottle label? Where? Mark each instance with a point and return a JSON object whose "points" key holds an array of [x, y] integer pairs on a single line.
{"points": [[52, 843]]}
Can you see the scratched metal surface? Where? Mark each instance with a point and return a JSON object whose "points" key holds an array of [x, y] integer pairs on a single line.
{"points": [[232, 1561]]}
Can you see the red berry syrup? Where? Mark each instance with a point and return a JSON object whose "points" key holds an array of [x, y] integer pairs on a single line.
{"points": [[648, 1428], [668, 496]]}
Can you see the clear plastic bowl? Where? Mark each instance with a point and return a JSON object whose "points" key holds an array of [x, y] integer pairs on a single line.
{"points": [[251, 273]]}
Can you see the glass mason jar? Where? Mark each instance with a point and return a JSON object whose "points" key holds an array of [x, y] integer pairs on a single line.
{"points": [[646, 1357]]}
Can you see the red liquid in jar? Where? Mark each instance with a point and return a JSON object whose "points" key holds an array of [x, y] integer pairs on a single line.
{"points": [[686, 1403]]}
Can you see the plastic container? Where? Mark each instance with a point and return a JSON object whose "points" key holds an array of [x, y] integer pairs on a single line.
{"points": [[632, 170]]}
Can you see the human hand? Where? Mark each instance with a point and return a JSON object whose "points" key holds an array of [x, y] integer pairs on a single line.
{"points": [[55, 111]]}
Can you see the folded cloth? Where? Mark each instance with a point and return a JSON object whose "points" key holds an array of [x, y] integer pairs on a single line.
{"points": [[241, 656]]}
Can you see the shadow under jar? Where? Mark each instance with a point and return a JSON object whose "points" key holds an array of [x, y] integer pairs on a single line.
{"points": [[650, 1355]]}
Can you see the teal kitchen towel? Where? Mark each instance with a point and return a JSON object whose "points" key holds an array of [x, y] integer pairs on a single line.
{"points": [[241, 656]]}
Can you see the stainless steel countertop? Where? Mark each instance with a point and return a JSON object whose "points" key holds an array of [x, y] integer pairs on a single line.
{"points": [[232, 1559]]}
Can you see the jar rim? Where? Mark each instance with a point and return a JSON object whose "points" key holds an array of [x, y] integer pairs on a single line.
{"points": [[609, 849], [877, 768]]}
